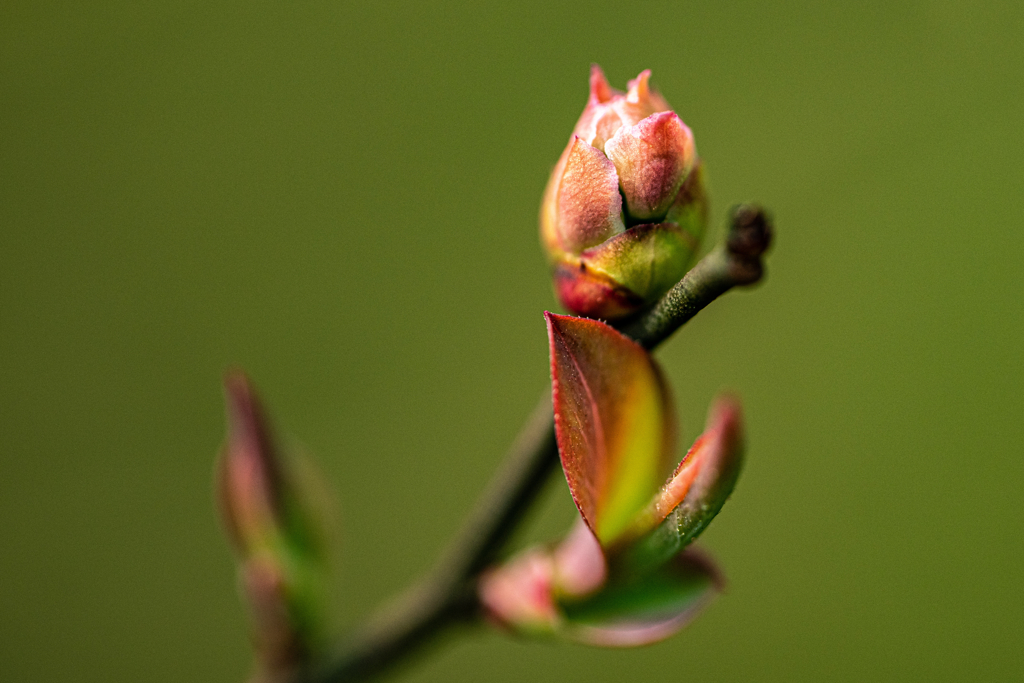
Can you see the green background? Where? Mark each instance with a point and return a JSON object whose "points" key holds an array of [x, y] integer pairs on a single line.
{"points": [[342, 198]]}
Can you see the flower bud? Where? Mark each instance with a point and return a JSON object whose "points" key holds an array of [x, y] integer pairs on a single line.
{"points": [[273, 511], [625, 208]]}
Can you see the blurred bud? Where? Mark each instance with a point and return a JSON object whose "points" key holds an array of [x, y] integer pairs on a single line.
{"points": [[521, 594], [625, 208], [251, 481], [271, 508], [525, 593], [567, 591]]}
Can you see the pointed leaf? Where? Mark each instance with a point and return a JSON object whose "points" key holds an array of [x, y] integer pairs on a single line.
{"points": [[694, 494], [614, 421]]}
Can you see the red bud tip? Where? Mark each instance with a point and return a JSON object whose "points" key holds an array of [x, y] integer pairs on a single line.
{"points": [[250, 474], [713, 457], [600, 91]]}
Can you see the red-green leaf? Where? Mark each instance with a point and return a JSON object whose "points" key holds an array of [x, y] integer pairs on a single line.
{"points": [[614, 421], [695, 492]]}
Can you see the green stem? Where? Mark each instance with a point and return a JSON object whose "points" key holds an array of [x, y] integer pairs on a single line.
{"points": [[447, 597]]}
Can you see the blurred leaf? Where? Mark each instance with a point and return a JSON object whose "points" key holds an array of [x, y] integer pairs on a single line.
{"points": [[533, 594], [648, 609]]}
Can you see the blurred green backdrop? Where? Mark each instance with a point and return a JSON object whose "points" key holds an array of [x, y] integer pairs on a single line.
{"points": [[342, 198]]}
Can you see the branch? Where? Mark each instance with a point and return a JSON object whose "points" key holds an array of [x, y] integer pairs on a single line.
{"points": [[448, 596], [734, 262]]}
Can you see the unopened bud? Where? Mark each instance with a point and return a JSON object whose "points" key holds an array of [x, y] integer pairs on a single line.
{"points": [[750, 235], [625, 208], [270, 511]]}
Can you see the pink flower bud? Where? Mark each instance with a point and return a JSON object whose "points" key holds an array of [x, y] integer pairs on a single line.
{"points": [[625, 207]]}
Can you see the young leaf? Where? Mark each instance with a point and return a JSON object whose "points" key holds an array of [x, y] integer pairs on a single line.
{"points": [[695, 492], [614, 421]]}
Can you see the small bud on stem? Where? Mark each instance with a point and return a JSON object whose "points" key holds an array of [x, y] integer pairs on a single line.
{"points": [[625, 207], [750, 235], [268, 511]]}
